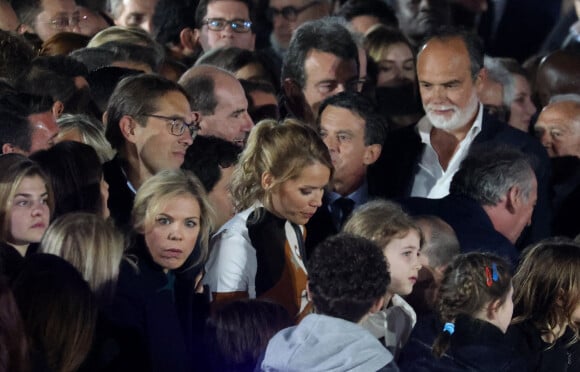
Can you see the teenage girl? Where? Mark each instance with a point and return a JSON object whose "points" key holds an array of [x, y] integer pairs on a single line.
{"points": [[547, 306], [474, 311]]}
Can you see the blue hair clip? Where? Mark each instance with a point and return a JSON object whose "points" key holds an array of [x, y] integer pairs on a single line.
{"points": [[449, 328], [494, 271]]}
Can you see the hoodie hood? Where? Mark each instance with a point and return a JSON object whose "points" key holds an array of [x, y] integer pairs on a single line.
{"points": [[323, 343]]}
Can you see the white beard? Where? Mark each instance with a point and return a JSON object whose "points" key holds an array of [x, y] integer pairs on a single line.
{"points": [[458, 119]]}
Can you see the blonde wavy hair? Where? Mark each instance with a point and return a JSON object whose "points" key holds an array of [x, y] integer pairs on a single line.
{"points": [[166, 185], [282, 149]]}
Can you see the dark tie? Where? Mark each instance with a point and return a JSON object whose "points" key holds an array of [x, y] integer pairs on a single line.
{"points": [[342, 208]]}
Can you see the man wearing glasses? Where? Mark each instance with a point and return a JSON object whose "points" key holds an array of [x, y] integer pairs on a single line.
{"points": [[223, 23], [149, 123], [46, 18]]}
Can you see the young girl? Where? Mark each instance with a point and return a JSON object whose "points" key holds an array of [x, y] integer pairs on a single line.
{"points": [[386, 224], [547, 306], [475, 308], [25, 205]]}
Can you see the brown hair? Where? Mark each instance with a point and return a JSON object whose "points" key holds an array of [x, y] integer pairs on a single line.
{"points": [[547, 285], [465, 289]]}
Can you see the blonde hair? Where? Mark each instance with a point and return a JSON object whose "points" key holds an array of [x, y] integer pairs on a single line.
{"points": [[129, 35], [15, 168], [547, 285], [166, 185], [381, 221], [282, 150], [92, 245], [380, 38], [92, 133]]}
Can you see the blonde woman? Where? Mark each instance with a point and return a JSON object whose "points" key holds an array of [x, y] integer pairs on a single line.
{"points": [[278, 186], [156, 294], [92, 245]]}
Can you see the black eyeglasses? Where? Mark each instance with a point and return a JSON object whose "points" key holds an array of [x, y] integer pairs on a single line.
{"points": [[177, 125], [289, 13], [218, 24]]}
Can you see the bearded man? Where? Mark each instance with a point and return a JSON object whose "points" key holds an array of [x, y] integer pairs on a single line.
{"points": [[421, 160]]}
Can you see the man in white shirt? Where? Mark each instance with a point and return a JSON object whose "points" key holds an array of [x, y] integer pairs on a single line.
{"points": [[421, 160]]}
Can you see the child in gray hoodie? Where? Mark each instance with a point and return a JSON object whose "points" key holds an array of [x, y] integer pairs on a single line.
{"points": [[347, 279]]}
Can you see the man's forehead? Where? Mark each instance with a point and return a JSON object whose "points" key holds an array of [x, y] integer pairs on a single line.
{"points": [[224, 8], [325, 63], [58, 6], [282, 3]]}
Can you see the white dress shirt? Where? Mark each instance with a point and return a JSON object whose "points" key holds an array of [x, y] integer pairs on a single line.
{"points": [[431, 181]]}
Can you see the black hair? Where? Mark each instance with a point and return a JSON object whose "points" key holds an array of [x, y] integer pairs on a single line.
{"points": [[346, 276], [379, 9], [201, 10], [170, 17], [375, 123], [207, 155]]}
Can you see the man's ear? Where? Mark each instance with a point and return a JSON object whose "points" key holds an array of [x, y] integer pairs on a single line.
{"points": [[187, 39], [480, 79], [372, 153], [8, 148], [57, 109], [377, 305], [128, 125], [22, 28], [196, 37], [308, 294], [513, 199], [267, 180]]}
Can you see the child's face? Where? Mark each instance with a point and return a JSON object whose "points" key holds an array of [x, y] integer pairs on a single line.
{"points": [[403, 257]]}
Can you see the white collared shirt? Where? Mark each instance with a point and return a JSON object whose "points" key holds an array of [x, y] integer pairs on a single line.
{"points": [[431, 181]]}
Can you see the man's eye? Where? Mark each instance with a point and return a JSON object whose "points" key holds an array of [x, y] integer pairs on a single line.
{"points": [[343, 137], [134, 20]]}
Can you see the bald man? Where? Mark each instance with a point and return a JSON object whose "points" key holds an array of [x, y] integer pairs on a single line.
{"points": [[558, 73], [218, 102], [558, 127]]}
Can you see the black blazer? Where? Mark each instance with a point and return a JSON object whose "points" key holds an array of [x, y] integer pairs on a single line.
{"points": [[121, 198], [393, 174]]}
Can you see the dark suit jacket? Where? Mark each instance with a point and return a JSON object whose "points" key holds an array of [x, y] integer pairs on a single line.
{"points": [[121, 198], [318, 228], [393, 174], [474, 229]]}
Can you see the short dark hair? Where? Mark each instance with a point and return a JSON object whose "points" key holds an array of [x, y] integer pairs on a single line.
{"points": [[202, 96], [170, 17], [207, 155], [136, 96], [473, 44], [379, 9], [487, 174], [14, 129], [16, 53], [326, 35], [375, 123], [201, 10], [27, 10], [346, 275]]}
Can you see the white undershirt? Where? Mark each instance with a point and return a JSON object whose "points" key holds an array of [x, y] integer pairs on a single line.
{"points": [[431, 181]]}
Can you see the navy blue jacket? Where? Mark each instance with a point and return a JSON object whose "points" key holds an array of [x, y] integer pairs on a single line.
{"points": [[163, 309], [393, 174], [476, 345], [474, 229]]}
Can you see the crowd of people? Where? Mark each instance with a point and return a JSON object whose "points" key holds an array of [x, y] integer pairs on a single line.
{"points": [[289, 185]]}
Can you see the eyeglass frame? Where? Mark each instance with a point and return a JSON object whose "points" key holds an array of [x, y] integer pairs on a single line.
{"points": [[72, 21], [245, 28], [292, 12], [193, 127]]}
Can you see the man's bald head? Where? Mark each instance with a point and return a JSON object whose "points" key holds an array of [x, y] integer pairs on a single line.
{"points": [[218, 102], [558, 128]]}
